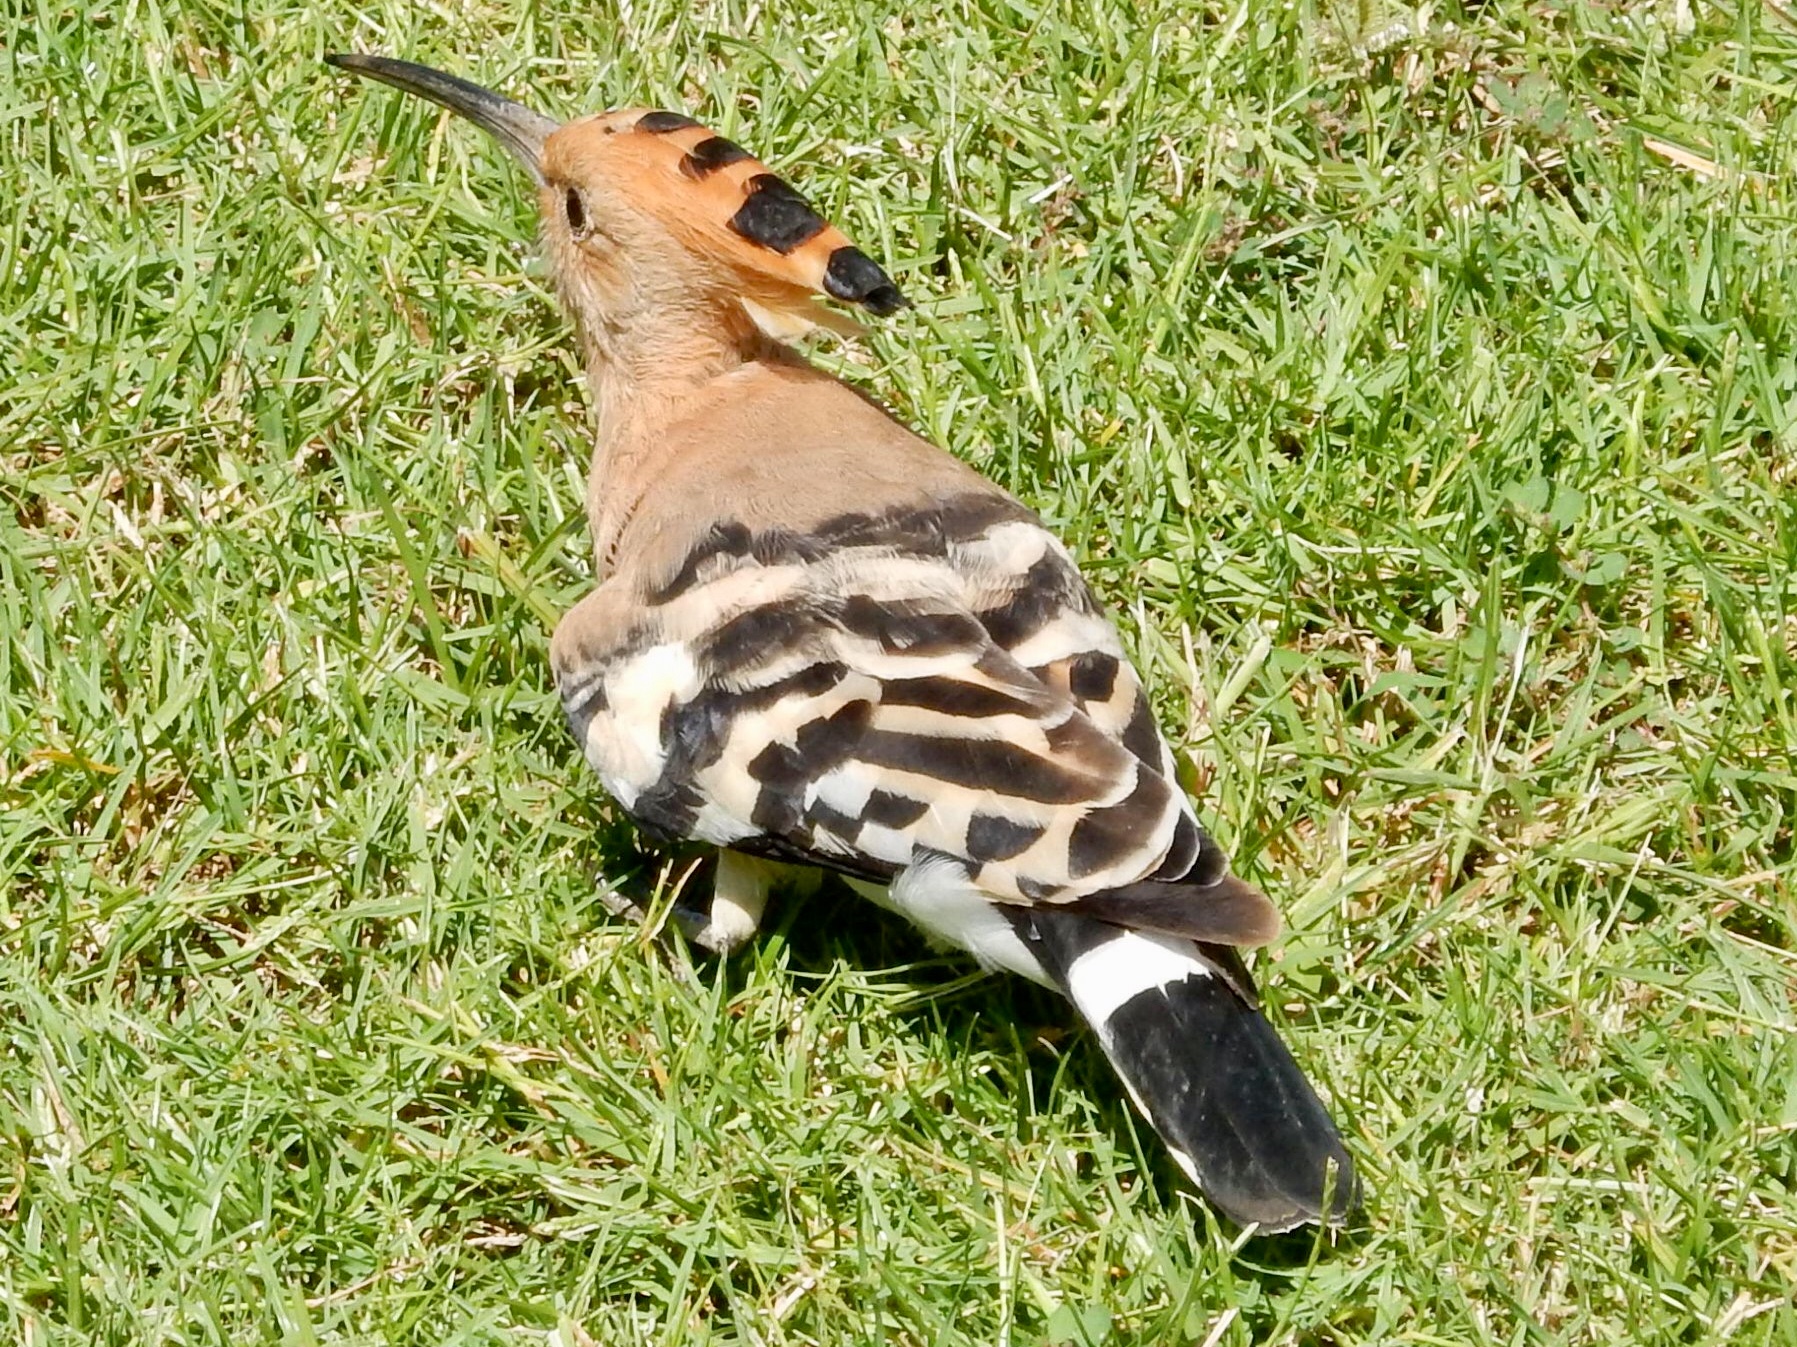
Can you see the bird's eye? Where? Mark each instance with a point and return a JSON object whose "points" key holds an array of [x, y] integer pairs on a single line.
{"points": [[577, 213]]}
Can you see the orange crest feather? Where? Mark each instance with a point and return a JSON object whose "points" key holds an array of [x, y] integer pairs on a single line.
{"points": [[724, 203]]}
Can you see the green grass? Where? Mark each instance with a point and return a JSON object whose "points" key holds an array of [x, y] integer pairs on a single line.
{"points": [[1421, 391]]}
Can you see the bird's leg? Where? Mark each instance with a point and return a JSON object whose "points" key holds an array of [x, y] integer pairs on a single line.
{"points": [[739, 897]]}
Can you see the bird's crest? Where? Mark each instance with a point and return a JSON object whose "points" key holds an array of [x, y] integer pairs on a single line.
{"points": [[726, 205]]}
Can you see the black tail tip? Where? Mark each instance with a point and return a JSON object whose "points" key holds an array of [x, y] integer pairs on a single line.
{"points": [[1233, 1106], [1275, 1198]]}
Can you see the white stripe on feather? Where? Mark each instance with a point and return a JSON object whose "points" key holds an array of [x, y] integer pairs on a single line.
{"points": [[1027, 730], [993, 563], [1068, 633], [722, 597], [1107, 977], [842, 788], [892, 845], [937, 896], [717, 823], [623, 743]]}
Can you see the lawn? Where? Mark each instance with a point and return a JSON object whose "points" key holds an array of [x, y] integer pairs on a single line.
{"points": [[1418, 386]]}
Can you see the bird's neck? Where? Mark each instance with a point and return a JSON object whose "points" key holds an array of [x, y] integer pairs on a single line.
{"points": [[642, 380]]}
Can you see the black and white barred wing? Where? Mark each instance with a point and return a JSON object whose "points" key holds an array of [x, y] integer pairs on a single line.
{"points": [[859, 698]]}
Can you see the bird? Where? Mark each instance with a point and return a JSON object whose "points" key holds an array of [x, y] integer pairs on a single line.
{"points": [[821, 643]]}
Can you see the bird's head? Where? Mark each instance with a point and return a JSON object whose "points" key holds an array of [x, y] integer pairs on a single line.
{"points": [[653, 224]]}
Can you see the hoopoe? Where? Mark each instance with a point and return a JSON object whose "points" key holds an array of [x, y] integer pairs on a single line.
{"points": [[818, 640]]}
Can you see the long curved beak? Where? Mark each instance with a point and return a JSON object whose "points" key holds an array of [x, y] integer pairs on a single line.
{"points": [[512, 124]]}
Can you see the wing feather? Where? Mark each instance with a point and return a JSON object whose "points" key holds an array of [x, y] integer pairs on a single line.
{"points": [[888, 689]]}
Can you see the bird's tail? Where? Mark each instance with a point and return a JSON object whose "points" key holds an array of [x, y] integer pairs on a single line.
{"points": [[1178, 1022]]}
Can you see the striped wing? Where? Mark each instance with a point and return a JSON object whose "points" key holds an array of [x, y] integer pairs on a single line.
{"points": [[932, 682]]}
